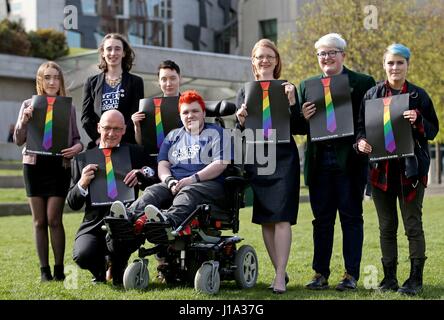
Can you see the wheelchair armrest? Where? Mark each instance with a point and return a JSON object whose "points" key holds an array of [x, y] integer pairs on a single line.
{"points": [[220, 108], [233, 182]]}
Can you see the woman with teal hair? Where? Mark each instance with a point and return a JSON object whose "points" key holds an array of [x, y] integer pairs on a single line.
{"points": [[404, 178]]}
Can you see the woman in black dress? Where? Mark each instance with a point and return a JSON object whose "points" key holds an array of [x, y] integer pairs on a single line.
{"points": [[47, 178], [276, 196], [113, 88]]}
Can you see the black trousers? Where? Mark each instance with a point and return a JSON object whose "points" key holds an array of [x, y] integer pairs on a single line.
{"points": [[180, 206], [93, 251], [332, 190], [411, 212]]}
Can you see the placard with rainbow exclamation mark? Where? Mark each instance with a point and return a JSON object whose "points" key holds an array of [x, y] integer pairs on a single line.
{"points": [[48, 129], [268, 112], [333, 118], [107, 185], [389, 134]]}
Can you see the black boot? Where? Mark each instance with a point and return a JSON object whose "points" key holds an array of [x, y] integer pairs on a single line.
{"points": [[59, 274], [45, 274], [389, 283], [413, 284]]}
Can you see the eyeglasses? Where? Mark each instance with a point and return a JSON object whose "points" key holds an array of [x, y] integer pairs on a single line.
{"points": [[108, 129], [262, 58], [331, 53]]}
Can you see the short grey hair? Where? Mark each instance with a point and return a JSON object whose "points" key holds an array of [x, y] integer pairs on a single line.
{"points": [[334, 40]]}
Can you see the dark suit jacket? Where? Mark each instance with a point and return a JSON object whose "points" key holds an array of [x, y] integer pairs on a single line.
{"points": [[348, 159], [94, 215], [131, 93]]}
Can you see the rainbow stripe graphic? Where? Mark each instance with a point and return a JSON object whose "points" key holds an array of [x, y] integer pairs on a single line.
{"points": [[159, 126], [389, 138], [266, 109], [330, 109], [110, 178], [47, 135]]}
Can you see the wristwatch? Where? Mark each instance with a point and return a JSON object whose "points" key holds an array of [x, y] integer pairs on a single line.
{"points": [[196, 178]]}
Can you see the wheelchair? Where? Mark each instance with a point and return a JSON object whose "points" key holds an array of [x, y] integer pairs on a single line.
{"points": [[195, 253]]}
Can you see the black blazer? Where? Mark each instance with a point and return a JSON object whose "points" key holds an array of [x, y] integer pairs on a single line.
{"points": [[131, 93], [94, 215]]}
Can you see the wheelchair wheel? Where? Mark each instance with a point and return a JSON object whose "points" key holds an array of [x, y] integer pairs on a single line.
{"points": [[136, 275], [247, 267], [204, 282]]}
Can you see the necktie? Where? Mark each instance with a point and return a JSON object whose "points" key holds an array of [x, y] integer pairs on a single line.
{"points": [[110, 178], [389, 139], [330, 110], [266, 110], [47, 135], [159, 126]]}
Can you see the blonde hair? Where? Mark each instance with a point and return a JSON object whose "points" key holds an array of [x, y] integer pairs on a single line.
{"points": [[41, 76], [266, 43]]}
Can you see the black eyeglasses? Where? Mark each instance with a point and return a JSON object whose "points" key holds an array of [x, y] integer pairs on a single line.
{"points": [[331, 54]]}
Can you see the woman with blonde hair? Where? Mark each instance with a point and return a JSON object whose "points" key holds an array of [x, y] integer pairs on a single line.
{"points": [[47, 178], [276, 196]]}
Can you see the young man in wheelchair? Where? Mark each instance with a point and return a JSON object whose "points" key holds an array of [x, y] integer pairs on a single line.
{"points": [[190, 166]]}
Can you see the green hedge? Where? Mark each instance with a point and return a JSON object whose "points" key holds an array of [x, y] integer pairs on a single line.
{"points": [[48, 44], [44, 43], [14, 39]]}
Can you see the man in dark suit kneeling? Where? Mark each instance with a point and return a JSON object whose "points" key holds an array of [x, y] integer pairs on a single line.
{"points": [[90, 248]]}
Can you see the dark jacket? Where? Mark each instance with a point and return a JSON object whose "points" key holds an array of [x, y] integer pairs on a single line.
{"points": [[94, 215], [348, 159], [425, 128], [131, 93]]}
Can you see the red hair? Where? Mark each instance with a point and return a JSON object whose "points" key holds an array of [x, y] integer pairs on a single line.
{"points": [[191, 96]]}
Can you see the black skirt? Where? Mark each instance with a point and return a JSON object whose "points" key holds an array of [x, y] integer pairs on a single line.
{"points": [[47, 178], [276, 196]]}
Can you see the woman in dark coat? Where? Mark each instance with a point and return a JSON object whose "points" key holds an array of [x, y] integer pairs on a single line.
{"points": [[276, 195], [404, 179], [113, 88]]}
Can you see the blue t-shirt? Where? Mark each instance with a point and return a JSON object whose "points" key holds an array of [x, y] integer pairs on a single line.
{"points": [[189, 154], [110, 97]]}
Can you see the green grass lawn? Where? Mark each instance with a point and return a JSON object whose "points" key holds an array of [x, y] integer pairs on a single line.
{"points": [[11, 172], [14, 195], [19, 268]]}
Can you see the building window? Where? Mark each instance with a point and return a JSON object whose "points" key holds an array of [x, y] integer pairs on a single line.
{"points": [[89, 7], [268, 29]]}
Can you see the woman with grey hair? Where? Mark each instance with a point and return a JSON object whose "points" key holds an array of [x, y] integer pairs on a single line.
{"points": [[404, 179], [335, 174]]}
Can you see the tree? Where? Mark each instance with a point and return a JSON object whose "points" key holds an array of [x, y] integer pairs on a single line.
{"points": [[368, 30]]}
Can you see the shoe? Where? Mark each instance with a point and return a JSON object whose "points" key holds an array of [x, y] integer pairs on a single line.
{"points": [[287, 280], [118, 210], [153, 214], [319, 282], [277, 291], [59, 274], [348, 282], [45, 274]]}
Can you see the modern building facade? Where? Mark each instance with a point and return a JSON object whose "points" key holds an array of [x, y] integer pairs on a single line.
{"points": [[202, 25]]}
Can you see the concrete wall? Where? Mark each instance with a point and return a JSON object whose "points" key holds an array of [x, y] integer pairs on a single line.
{"points": [[17, 83]]}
